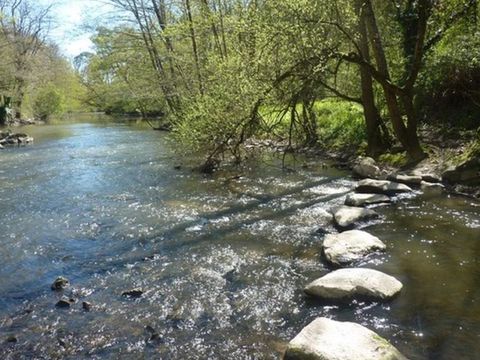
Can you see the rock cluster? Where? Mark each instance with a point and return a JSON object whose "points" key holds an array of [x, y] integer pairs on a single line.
{"points": [[9, 138]]}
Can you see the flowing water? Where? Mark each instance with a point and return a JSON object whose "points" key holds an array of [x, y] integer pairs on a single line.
{"points": [[221, 259]]}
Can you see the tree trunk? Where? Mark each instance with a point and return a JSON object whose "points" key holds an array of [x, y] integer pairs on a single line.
{"points": [[407, 137], [194, 45], [372, 117], [3, 110]]}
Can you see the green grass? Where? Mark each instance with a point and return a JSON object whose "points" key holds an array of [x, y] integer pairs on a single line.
{"points": [[340, 124]]}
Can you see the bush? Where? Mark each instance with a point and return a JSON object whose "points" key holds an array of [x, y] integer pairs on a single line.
{"points": [[449, 84], [47, 102]]}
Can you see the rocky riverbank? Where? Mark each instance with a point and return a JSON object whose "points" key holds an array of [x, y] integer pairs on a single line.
{"points": [[431, 174]]}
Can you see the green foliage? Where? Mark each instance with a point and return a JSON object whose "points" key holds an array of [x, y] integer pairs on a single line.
{"points": [[449, 90], [119, 77], [396, 160], [225, 71], [48, 101], [340, 124], [217, 120]]}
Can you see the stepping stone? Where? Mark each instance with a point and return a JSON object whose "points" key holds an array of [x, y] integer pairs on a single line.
{"points": [[346, 217], [432, 188], [406, 179], [366, 199], [381, 187], [366, 167], [347, 284], [431, 178], [326, 339], [344, 248]]}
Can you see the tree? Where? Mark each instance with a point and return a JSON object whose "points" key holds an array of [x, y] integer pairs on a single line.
{"points": [[24, 26]]}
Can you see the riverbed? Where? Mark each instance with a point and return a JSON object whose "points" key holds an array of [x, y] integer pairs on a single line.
{"points": [[222, 259]]}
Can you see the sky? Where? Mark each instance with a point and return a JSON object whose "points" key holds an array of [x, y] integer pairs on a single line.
{"points": [[69, 28]]}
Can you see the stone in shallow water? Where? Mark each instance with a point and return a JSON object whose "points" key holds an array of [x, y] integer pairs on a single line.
{"points": [[432, 188], [344, 248], [60, 283], [134, 293], [381, 187], [366, 199], [326, 339], [406, 179], [346, 284], [87, 306], [65, 302], [346, 217]]}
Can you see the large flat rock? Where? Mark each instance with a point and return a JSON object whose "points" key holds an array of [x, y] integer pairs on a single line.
{"points": [[347, 217], [325, 339], [346, 284], [381, 187], [406, 179], [366, 199], [346, 247]]}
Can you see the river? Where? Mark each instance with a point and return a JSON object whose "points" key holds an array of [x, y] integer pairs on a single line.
{"points": [[222, 259]]}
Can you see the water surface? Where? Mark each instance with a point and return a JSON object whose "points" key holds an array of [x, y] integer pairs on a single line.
{"points": [[222, 259]]}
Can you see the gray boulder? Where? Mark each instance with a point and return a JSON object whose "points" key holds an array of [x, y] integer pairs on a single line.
{"points": [[432, 188], [467, 173], [345, 284], [406, 179], [344, 248], [346, 217], [381, 187], [366, 199], [326, 339], [366, 167]]}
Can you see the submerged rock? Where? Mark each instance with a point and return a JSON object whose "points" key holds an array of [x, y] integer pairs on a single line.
{"points": [[381, 187], [60, 283], [134, 293], [12, 339], [65, 302], [406, 179], [86, 306], [344, 248], [346, 217], [326, 339], [345, 284], [366, 199]]}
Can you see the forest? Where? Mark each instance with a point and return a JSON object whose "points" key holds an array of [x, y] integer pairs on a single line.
{"points": [[362, 75]]}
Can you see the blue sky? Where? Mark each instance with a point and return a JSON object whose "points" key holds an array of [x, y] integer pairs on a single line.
{"points": [[70, 17]]}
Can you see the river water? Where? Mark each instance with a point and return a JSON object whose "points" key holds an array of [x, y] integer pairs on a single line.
{"points": [[221, 259]]}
